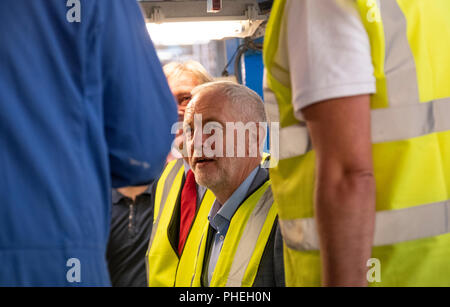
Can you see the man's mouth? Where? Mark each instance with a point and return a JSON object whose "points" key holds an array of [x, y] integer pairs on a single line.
{"points": [[203, 161]]}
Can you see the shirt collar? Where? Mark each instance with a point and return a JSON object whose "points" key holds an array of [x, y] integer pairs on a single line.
{"points": [[186, 167], [220, 216]]}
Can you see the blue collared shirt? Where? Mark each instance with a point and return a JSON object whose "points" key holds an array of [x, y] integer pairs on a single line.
{"points": [[220, 217]]}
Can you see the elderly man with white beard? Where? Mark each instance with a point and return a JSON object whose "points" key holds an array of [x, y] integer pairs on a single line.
{"points": [[241, 242]]}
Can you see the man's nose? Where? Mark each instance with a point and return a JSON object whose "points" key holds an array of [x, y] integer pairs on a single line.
{"points": [[196, 143]]}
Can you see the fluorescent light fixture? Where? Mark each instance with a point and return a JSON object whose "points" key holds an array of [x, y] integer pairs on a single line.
{"points": [[196, 32], [186, 22]]}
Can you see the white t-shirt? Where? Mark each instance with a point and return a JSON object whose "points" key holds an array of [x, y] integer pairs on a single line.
{"points": [[328, 52]]}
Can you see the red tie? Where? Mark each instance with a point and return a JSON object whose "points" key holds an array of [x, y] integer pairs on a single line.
{"points": [[187, 209]]}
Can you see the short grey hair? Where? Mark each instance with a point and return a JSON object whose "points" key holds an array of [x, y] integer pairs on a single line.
{"points": [[175, 69], [248, 101]]}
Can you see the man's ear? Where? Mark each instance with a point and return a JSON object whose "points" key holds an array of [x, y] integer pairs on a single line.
{"points": [[262, 133], [253, 142]]}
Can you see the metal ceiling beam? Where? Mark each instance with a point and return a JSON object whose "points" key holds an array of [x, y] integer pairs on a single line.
{"points": [[196, 10]]}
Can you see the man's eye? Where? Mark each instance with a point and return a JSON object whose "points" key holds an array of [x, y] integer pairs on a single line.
{"points": [[184, 100]]}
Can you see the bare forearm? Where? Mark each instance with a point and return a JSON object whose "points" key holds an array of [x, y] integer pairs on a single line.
{"points": [[340, 131], [345, 211]]}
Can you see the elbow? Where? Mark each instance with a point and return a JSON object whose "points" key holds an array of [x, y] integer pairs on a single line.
{"points": [[347, 186], [345, 176], [140, 168], [359, 177]]}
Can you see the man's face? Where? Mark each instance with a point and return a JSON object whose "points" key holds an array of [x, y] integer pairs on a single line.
{"points": [[217, 171], [181, 87]]}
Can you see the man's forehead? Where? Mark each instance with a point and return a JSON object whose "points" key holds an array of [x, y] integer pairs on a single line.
{"points": [[207, 106], [183, 81], [208, 101]]}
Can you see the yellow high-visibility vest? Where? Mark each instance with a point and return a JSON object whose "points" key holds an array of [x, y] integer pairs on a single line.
{"points": [[162, 260], [244, 243], [410, 115]]}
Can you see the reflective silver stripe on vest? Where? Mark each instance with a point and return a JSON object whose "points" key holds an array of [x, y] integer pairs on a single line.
{"points": [[391, 124], [167, 185], [393, 226], [409, 121], [399, 64], [249, 238], [284, 142], [197, 258], [292, 141]]}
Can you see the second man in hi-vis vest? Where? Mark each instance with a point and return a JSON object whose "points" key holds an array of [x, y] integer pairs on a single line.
{"points": [[240, 243], [362, 182], [179, 203]]}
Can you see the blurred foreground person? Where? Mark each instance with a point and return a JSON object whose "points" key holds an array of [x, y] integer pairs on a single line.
{"points": [[361, 92], [84, 106]]}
